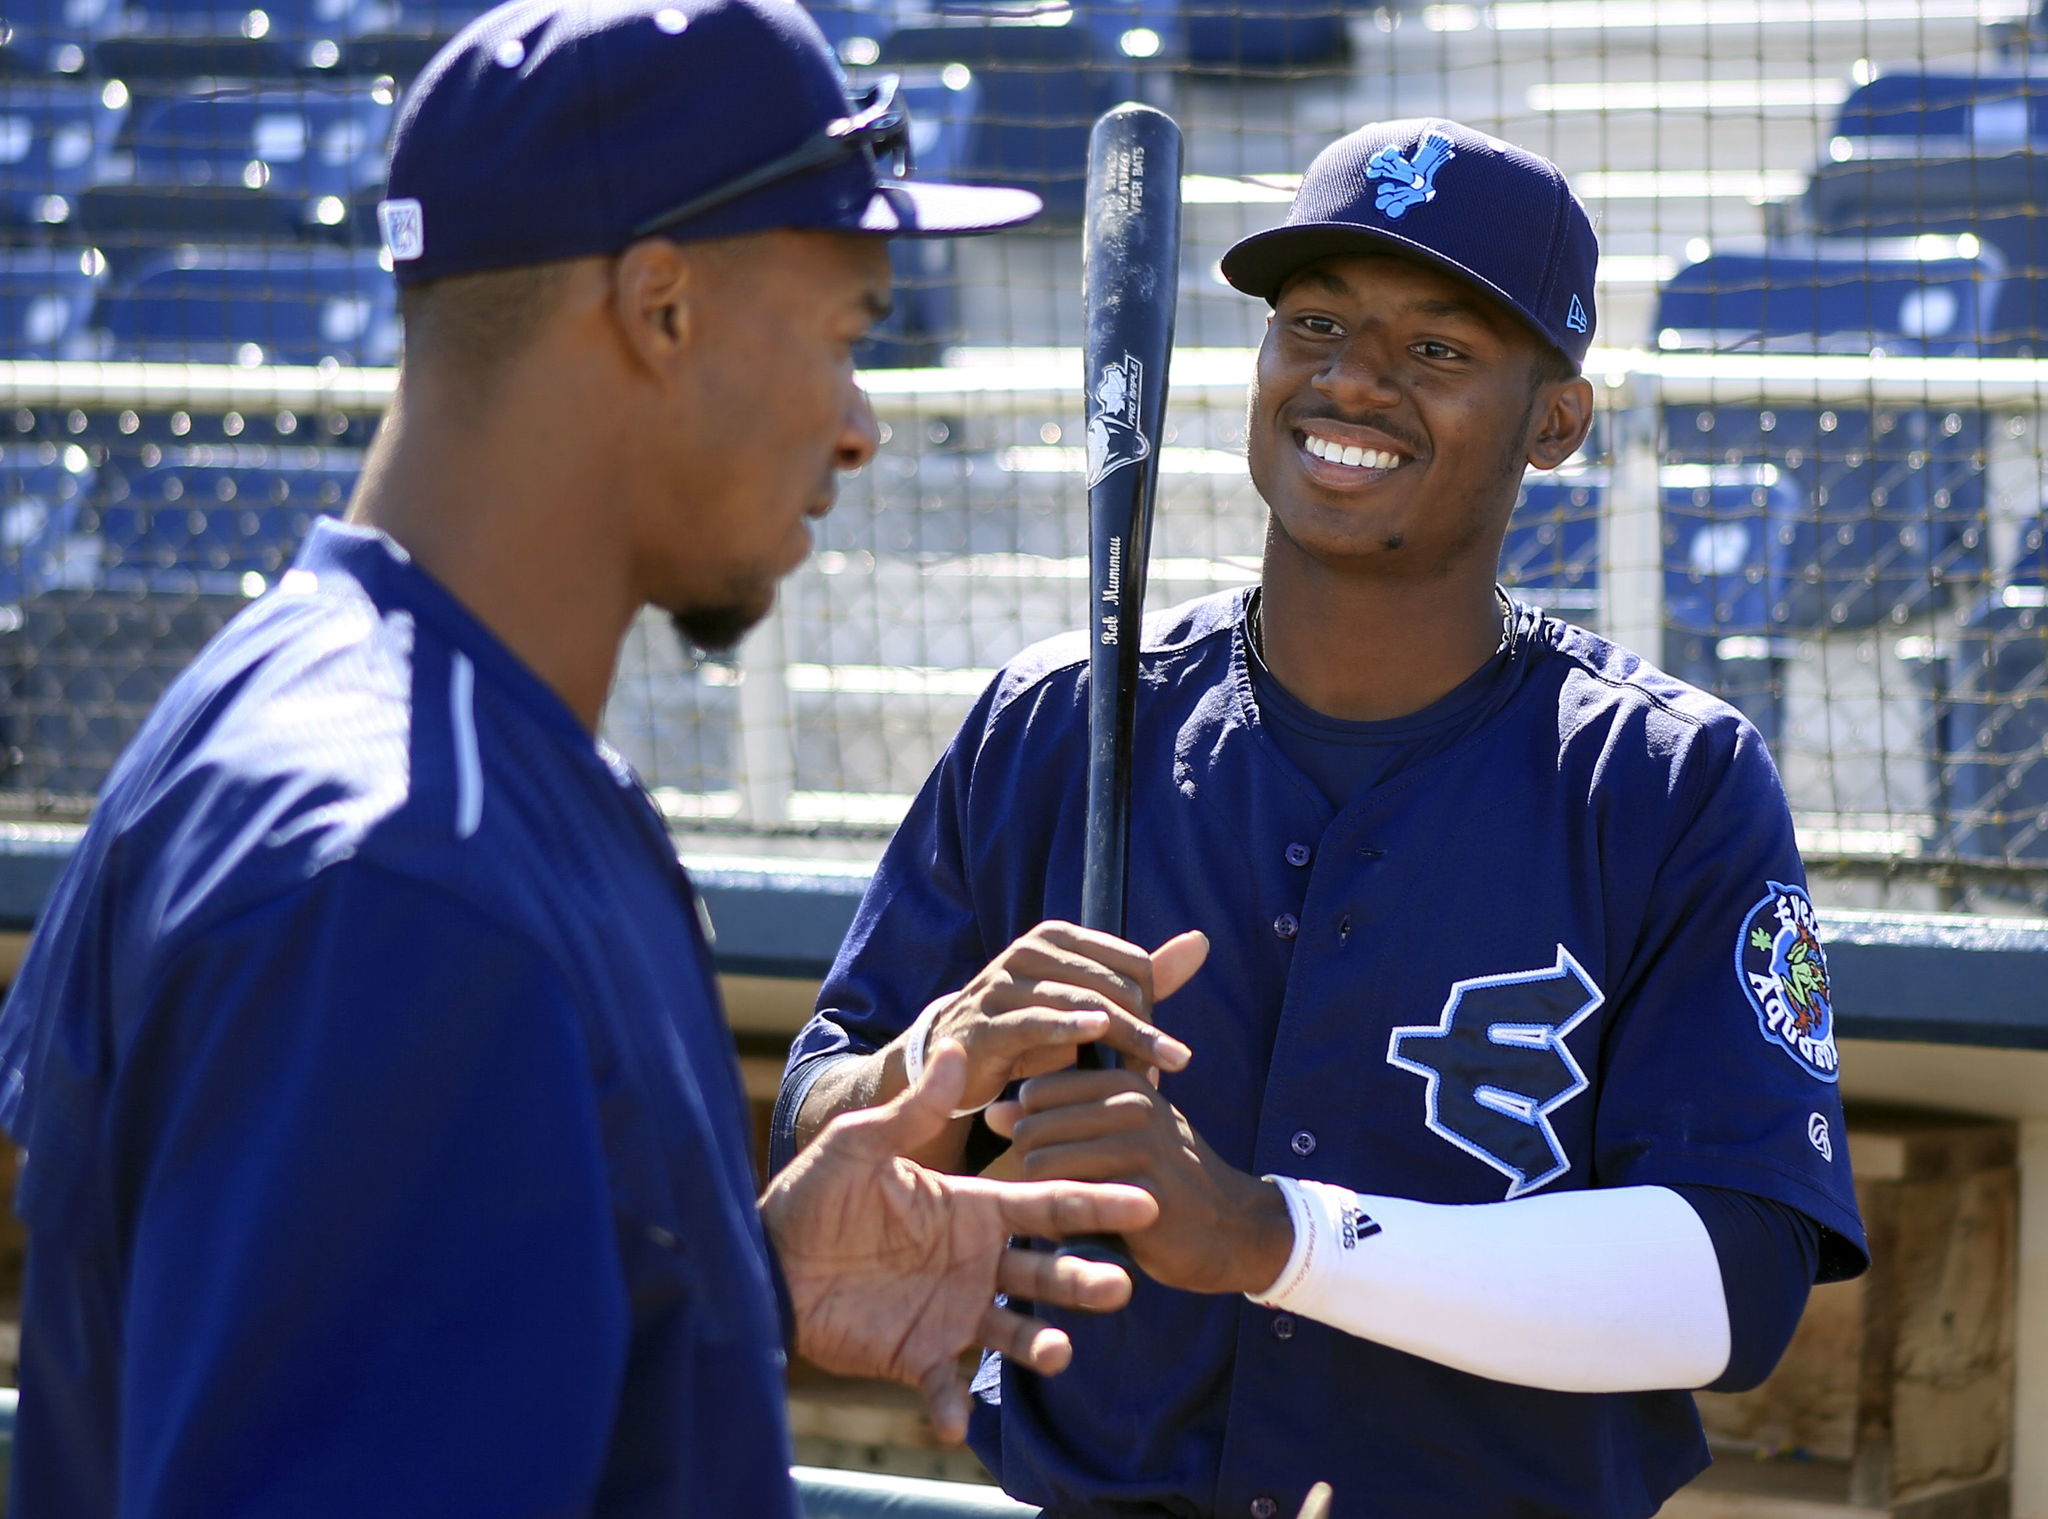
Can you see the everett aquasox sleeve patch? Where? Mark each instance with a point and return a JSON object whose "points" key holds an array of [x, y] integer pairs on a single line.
{"points": [[1778, 959]]}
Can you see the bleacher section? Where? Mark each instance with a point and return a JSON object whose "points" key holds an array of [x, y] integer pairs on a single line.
{"points": [[194, 181]]}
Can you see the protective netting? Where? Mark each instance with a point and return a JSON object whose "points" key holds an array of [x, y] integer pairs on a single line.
{"points": [[1816, 487]]}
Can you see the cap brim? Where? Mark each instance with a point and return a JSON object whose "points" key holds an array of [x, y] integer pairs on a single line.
{"points": [[903, 208]]}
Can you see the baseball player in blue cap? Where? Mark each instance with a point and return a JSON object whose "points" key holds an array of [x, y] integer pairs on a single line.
{"points": [[386, 1147], [1490, 1100]]}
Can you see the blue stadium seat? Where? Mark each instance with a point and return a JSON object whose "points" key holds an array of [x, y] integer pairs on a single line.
{"points": [[1738, 541], [1990, 697], [1042, 87], [1948, 154], [55, 139], [398, 37], [261, 164], [1901, 296], [1809, 519], [1146, 32], [227, 39], [1265, 36], [46, 301], [207, 523], [1551, 555], [50, 36], [43, 488], [855, 28], [91, 665], [254, 306], [1844, 517], [1987, 109], [926, 296]]}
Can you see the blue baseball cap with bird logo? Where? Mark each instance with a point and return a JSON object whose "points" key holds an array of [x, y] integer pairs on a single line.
{"points": [[1494, 215]]}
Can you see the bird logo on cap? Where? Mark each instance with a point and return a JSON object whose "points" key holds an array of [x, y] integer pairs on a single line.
{"points": [[1409, 182]]}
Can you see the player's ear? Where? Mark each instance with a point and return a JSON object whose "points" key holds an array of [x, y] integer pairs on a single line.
{"points": [[655, 285], [1563, 416]]}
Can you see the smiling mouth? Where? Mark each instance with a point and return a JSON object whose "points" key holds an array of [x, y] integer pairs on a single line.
{"points": [[1351, 456]]}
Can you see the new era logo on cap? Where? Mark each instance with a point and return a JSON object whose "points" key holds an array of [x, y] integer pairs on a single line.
{"points": [[1575, 318], [404, 227]]}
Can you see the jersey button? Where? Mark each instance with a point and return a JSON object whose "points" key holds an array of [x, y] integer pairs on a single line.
{"points": [[1286, 925], [1283, 1326], [1303, 1142], [1297, 854], [1264, 1507]]}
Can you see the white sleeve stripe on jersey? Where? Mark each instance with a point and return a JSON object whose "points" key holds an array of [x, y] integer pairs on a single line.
{"points": [[469, 770]]}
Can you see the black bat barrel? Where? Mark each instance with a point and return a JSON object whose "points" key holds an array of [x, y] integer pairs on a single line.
{"points": [[1130, 278], [1130, 260]]}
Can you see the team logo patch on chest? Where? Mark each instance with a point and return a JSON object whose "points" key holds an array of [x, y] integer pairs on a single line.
{"points": [[1779, 962], [1495, 1067]]}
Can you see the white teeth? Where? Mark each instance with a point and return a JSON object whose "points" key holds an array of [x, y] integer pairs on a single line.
{"points": [[1353, 456]]}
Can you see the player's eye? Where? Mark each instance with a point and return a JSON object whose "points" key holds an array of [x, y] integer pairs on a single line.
{"points": [[1429, 348], [1320, 326]]}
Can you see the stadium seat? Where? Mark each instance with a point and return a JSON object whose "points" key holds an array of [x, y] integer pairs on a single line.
{"points": [[50, 36], [1551, 556], [1951, 154], [89, 666], [1824, 518], [1265, 36], [1143, 31], [227, 39], [1738, 541], [46, 301], [1918, 296], [399, 37], [1846, 517], [1042, 84], [44, 486], [216, 522], [1989, 681], [925, 307], [254, 306], [1988, 110], [234, 164], [55, 139]]}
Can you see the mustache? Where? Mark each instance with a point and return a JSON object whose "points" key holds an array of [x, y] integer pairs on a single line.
{"points": [[1377, 421]]}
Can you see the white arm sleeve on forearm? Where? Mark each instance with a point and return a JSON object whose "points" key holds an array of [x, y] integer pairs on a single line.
{"points": [[1607, 1290]]}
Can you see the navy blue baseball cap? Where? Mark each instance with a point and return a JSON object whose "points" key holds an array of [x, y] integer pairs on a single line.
{"points": [[1494, 215], [553, 129]]}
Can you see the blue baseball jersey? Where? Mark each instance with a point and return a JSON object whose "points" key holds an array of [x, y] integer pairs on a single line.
{"points": [[1572, 948], [386, 1146]]}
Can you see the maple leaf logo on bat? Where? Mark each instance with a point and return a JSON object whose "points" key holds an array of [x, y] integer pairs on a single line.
{"points": [[1408, 182]]}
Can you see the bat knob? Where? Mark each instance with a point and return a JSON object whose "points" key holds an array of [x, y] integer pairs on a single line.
{"points": [[1103, 1249]]}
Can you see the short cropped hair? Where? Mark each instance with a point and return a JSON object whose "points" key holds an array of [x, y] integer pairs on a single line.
{"points": [[1552, 364], [475, 324]]}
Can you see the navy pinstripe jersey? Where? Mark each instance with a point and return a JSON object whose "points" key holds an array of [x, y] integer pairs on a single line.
{"points": [[1571, 949], [387, 1150]]}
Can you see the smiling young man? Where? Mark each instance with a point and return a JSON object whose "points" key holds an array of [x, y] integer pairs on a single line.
{"points": [[387, 1153], [1486, 1125]]}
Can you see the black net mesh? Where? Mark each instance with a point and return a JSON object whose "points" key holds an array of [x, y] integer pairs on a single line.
{"points": [[1816, 487]]}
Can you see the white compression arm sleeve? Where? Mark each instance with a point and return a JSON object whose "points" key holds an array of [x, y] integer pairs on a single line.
{"points": [[1607, 1290]]}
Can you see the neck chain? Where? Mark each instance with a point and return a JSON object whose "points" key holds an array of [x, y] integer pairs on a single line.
{"points": [[1255, 627]]}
